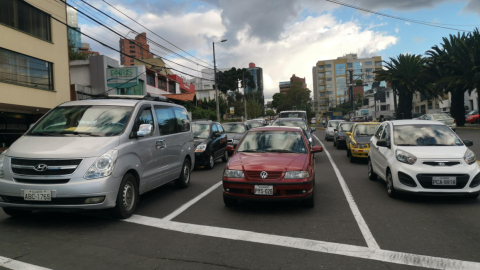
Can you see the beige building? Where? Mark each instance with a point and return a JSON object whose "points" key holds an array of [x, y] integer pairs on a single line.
{"points": [[331, 78], [34, 65]]}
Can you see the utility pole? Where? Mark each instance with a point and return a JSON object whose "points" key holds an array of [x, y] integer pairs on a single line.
{"points": [[245, 95], [351, 89], [215, 79]]}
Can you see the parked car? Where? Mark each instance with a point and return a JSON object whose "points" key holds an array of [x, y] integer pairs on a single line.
{"points": [[423, 157], [440, 117], [271, 163], [235, 132], [296, 122], [472, 112], [358, 119], [340, 134], [313, 121], [210, 143], [358, 140], [473, 119], [330, 130], [96, 154], [254, 124]]}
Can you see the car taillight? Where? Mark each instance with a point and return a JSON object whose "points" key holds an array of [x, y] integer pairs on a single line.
{"points": [[454, 121]]}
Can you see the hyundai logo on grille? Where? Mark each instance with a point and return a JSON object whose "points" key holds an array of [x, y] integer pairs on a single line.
{"points": [[263, 174], [441, 164], [40, 167]]}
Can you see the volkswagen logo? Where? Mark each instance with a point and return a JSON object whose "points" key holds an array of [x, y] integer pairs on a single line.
{"points": [[40, 167], [263, 174], [441, 164]]}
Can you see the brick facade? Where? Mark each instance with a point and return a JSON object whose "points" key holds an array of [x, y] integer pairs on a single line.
{"points": [[137, 48]]}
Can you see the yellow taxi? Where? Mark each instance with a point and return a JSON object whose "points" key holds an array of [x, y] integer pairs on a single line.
{"points": [[358, 140]]}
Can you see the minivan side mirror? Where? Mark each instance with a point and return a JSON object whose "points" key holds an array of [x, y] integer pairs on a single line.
{"points": [[144, 130], [349, 134], [468, 142], [217, 134], [382, 143], [317, 149]]}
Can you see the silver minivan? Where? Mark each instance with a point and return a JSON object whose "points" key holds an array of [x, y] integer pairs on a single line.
{"points": [[96, 154]]}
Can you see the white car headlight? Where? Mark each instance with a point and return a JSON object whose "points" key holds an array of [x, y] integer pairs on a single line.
{"points": [[201, 147], [103, 166], [2, 159], [469, 157], [296, 175], [233, 174], [405, 157]]}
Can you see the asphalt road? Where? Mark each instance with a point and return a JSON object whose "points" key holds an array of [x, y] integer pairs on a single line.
{"points": [[207, 235]]}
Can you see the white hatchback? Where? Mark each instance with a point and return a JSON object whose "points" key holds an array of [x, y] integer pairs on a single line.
{"points": [[423, 157]]}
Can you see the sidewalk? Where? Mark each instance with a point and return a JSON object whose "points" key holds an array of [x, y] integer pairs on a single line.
{"points": [[470, 126]]}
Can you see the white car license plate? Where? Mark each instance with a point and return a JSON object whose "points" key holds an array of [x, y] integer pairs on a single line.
{"points": [[37, 195], [444, 181], [263, 190]]}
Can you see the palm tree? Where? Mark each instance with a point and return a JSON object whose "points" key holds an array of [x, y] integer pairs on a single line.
{"points": [[405, 75]]}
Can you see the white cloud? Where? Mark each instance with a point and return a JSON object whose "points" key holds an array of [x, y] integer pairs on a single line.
{"points": [[397, 30], [407, 23]]}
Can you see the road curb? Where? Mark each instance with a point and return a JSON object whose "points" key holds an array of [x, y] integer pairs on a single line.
{"points": [[467, 128]]}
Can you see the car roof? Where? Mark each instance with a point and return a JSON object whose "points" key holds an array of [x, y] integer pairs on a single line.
{"points": [[293, 111], [347, 123], [290, 119], [231, 123], [276, 128], [90, 102], [204, 122], [414, 122], [369, 123]]}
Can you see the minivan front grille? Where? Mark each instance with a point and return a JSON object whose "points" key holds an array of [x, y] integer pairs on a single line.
{"points": [[44, 167], [41, 181], [54, 201]]}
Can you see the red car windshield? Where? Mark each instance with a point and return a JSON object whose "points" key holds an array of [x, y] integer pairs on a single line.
{"points": [[273, 142]]}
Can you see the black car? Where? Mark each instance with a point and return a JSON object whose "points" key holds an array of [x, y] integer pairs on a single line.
{"points": [[340, 134], [254, 124], [235, 132], [210, 143]]}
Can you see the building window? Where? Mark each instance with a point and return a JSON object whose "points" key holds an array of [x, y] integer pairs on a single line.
{"points": [[132, 51], [329, 86], [388, 94], [369, 63], [131, 60], [121, 42], [383, 107], [328, 73], [328, 65], [25, 70], [321, 81], [321, 87], [358, 68], [26, 18], [368, 70], [132, 47], [329, 93], [340, 69], [151, 79], [430, 105], [131, 42], [378, 63], [349, 65], [320, 67], [369, 76], [329, 79], [341, 85], [321, 75], [322, 94]]}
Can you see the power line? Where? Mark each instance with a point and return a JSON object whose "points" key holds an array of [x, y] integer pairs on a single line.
{"points": [[152, 41], [110, 47], [154, 33], [399, 18]]}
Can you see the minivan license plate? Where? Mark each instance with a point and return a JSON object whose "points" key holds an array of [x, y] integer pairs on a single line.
{"points": [[37, 195], [263, 190], [444, 181]]}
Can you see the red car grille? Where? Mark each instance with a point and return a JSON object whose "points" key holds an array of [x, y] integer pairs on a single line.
{"points": [[256, 175]]}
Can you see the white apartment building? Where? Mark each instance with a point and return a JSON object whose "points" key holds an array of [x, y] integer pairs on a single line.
{"points": [[331, 78]]}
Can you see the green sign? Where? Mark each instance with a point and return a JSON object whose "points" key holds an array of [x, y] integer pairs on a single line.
{"points": [[122, 77]]}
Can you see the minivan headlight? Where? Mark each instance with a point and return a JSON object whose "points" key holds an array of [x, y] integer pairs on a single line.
{"points": [[405, 157], [103, 166], [469, 157], [201, 147], [234, 174], [296, 175], [2, 159]]}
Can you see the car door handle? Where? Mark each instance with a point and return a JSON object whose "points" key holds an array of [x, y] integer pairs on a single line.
{"points": [[160, 144]]}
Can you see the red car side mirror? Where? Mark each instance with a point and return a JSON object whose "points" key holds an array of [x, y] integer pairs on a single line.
{"points": [[230, 148], [317, 149]]}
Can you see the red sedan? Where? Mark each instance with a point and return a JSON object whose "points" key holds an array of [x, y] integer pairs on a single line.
{"points": [[271, 163], [472, 119]]}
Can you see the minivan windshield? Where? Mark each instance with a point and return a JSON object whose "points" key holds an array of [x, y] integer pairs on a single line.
{"points": [[234, 128], [365, 130], [297, 123], [425, 135], [273, 141], [292, 115], [201, 131], [345, 127], [93, 120]]}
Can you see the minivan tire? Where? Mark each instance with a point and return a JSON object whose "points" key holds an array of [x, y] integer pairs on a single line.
{"points": [[16, 212], [371, 174], [225, 156], [210, 164], [184, 180], [127, 198]]}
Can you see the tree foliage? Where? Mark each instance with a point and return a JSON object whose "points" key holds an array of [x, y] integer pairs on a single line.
{"points": [[277, 99], [75, 54], [270, 113]]}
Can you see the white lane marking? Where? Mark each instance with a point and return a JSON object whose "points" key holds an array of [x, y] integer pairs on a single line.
{"points": [[306, 244], [18, 265], [367, 234], [191, 202]]}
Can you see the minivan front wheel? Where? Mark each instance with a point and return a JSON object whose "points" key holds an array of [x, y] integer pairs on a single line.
{"points": [[184, 179], [16, 212], [127, 198]]}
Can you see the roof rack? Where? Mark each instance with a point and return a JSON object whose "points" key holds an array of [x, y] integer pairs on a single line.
{"points": [[134, 97]]}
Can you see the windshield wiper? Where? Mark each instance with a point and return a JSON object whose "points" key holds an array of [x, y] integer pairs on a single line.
{"points": [[439, 144], [79, 133], [406, 144], [280, 151], [45, 133], [251, 151]]}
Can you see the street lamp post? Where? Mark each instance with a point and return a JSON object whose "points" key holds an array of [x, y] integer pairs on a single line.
{"points": [[215, 78]]}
